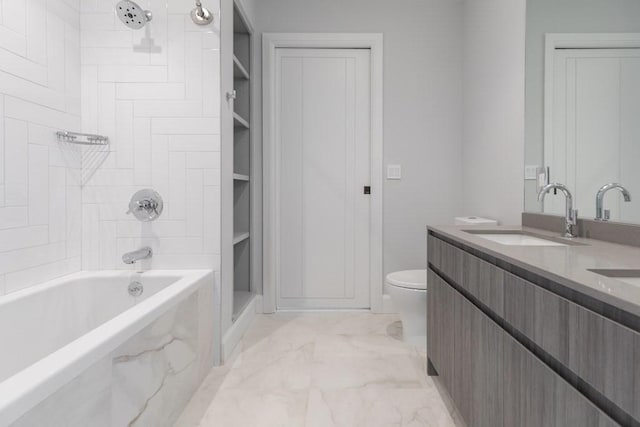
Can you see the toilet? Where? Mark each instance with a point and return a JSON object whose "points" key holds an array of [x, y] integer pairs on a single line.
{"points": [[408, 292]]}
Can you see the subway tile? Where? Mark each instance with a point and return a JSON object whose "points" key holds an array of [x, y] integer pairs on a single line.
{"points": [[211, 177], [12, 217], [194, 203], [16, 162], [12, 41], [168, 109], [31, 257], [16, 13], [194, 143], [203, 160], [112, 56], [57, 204], [185, 126], [2, 151], [20, 238], [124, 139], [26, 111], [38, 185], [150, 91], [36, 31], [23, 68], [210, 84], [177, 185], [131, 74], [90, 98], [194, 66], [175, 48], [106, 38], [41, 273], [212, 225]]}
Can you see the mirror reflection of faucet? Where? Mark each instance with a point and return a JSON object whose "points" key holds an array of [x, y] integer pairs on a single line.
{"points": [[603, 214]]}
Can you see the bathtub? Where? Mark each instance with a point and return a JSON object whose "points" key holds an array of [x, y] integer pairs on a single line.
{"points": [[81, 350]]}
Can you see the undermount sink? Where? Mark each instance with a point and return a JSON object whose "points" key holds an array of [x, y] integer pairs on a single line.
{"points": [[516, 238], [629, 276]]}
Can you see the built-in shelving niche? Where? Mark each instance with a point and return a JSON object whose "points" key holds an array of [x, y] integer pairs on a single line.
{"points": [[242, 288]]}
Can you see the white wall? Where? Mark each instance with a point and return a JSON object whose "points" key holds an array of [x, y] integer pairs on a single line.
{"points": [[156, 94], [39, 188], [422, 104], [493, 121]]}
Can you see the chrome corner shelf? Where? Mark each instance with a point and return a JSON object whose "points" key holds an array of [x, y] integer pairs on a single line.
{"points": [[82, 138]]}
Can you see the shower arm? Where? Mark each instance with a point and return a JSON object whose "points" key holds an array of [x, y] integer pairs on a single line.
{"points": [[199, 9]]}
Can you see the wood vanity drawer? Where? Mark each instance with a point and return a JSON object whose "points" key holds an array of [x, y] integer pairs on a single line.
{"points": [[484, 281], [481, 279], [603, 353], [535, 396], [446, 258]]}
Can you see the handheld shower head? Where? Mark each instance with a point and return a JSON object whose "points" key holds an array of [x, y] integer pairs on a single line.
{"points": [[132, 15]]}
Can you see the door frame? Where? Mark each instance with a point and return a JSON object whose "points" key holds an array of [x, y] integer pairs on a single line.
{"points": [[271, 42], [555, 41]]}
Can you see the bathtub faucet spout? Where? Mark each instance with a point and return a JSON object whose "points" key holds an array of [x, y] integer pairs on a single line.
{"points": [[139, 255]]}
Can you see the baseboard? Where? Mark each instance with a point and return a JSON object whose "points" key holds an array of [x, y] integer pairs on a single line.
{"points": [[259, 304], [233, 336], [387, 305]]}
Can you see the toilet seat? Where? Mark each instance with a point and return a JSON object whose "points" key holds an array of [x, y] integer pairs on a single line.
{"points": [[409, 279]]}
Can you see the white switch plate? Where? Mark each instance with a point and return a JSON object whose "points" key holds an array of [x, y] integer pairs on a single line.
{"points": [[531, 172], [394, 172]]}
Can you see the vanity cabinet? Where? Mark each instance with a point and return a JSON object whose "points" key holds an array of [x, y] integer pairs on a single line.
{"points": [[511, 353]]}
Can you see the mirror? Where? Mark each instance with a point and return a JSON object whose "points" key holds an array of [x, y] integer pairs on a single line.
{"points": [[583, 104]]}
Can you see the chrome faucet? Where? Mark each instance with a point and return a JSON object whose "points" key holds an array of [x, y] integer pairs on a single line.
{"points": [[603, 214], [139, 255], [571, 215]]}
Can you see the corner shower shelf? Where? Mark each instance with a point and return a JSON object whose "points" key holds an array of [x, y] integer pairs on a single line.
{"points": [[82, 138], [240, 237], [239, 71], [240, 177], [239, 122]]}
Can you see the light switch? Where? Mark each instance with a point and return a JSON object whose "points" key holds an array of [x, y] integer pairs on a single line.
{"points": [[531, 172], [394, 172]]}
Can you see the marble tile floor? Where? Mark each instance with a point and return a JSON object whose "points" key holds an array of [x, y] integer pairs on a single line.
{"points": [[320, 369]]}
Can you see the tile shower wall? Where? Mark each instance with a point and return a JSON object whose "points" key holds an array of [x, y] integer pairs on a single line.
{"points": [[155, 93], [40, 196]]}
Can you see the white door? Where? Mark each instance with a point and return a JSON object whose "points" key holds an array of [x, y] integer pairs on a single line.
{"points": [[596, 128], [323, 164]]}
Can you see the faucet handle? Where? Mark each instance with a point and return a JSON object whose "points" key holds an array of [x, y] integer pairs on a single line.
{"points": [[146, 205], [607, 214]]}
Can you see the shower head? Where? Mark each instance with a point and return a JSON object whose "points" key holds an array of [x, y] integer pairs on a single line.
{"points": [[132, 15]]}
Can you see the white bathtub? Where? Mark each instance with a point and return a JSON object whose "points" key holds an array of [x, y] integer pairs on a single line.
{"points": [[87, 325]]}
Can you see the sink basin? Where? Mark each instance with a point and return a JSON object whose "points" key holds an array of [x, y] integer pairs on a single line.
{"points": [[515, 238], [631, 277]]}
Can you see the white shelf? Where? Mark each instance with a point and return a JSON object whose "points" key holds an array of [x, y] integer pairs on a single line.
{"points": [[241, 300], [239, 122], [239, 72], [240, 177], [240, 237]]}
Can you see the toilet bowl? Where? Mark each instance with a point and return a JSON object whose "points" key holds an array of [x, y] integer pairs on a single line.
{"points": [[408, 292]]}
